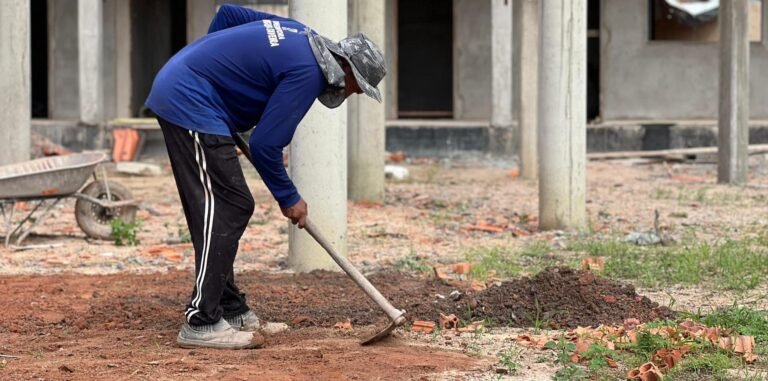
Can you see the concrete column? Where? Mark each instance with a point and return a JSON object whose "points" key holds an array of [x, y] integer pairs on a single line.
{"points": [[63, 85], [472, 59], [528, 12], [90, 47], [15, 89], [562, 114], [366, 127], [123, 59], [318, 157], [109, 62], [199, 16], [733, 126], [502, 75]]}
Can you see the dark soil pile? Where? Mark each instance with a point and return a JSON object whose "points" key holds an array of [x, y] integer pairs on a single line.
{"points": [[560, 297]]}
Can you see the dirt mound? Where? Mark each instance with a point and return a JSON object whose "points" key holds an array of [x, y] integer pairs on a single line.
{"points": [[560, 297]]}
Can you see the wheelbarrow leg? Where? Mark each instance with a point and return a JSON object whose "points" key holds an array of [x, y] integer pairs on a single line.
{"points": [[8, 221], [106, 181], [27, 218], [46, 213]]}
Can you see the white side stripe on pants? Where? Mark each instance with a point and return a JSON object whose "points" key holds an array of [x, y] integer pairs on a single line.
{"points": [[205, 180]]}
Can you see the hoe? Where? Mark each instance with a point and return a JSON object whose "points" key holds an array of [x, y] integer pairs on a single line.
{"points": [[396, 317]]}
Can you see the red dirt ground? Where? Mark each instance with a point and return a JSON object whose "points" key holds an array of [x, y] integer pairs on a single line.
{"points": [[77, 327]]}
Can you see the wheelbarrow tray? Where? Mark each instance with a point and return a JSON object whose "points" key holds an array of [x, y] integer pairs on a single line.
{"points": [[49, 177]]}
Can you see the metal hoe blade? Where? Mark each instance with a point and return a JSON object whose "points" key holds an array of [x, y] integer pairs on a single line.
{"points": [[384, 333]]}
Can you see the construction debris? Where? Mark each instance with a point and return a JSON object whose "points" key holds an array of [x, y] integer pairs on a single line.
{"points": [[593, 263], [138, 169], [343, 325], [448, 322], [395, 157], [423, 326], [42, 146], [646, 372], [643, 238], [396, 172]]}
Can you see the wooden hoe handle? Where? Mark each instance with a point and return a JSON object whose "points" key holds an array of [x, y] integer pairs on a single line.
{"points": [[394, 314], [397, 316]]}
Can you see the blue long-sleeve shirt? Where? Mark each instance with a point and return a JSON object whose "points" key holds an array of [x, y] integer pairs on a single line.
{"points": [[251, 69]]}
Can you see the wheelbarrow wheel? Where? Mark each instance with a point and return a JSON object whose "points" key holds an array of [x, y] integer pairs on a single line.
{"points": [[96, 220]]}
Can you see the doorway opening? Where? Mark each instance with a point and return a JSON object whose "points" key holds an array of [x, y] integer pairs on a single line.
{"points": [[593, 60], [425, 59], [39, 57], [159, 30]]}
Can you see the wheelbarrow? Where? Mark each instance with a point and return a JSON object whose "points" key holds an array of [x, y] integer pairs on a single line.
{"points": [[43, 183]]}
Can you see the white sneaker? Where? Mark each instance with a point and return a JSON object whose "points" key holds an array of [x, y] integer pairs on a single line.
{"points": [[249, 322], [220, 335]]}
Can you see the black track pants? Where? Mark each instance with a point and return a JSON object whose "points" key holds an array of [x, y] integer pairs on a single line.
{"points": [[217, 204]]}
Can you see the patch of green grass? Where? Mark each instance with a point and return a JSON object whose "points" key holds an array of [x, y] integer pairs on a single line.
{"points": [[570, 372], [704, 366], [597, 357], [472, 347], [496, 261], [412, 262], [648, 343], [705, 196], [503, 262], [563, 348], [124, 233], [538, 322], [442, 219], [737, 264], [184, 235], [744, 320], [432, 174]]}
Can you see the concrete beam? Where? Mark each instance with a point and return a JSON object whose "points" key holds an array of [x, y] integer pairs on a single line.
{"points": [[91, 61], [528, 20], [15, 89], [562, 114], [734, 92], [318, 153], [366, 117], [199, 16]]}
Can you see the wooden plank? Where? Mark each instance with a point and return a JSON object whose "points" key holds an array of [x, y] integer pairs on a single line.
{"points": [[753, 149]]}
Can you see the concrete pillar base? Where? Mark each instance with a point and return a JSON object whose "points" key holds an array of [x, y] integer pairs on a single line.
{"points": [[318, 154], [502, 141]]}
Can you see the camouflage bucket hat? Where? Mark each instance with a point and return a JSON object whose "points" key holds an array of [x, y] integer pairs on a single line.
{"points": [[365, 59]]}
